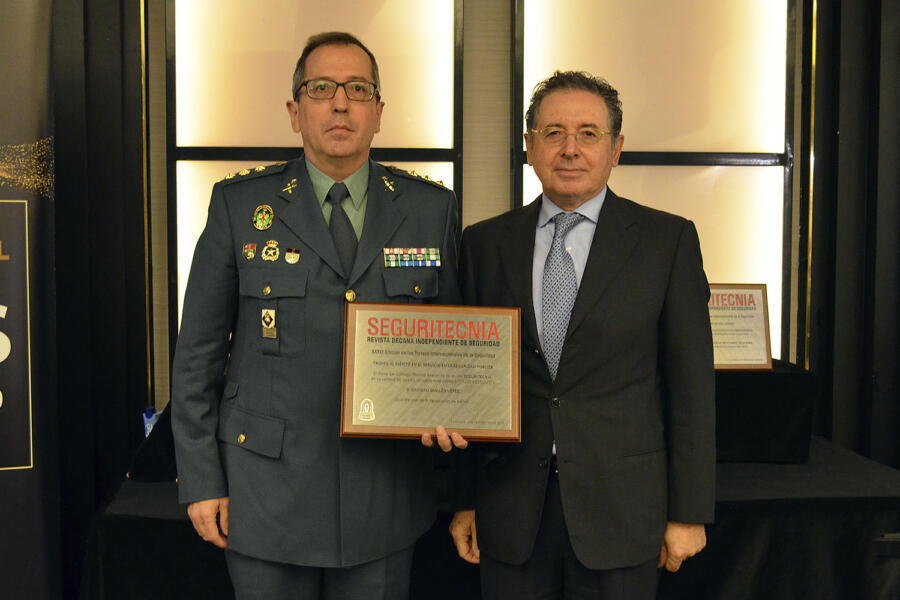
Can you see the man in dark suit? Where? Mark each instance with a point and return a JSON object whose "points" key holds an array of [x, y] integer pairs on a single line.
{"points": [[615, 473], [301, 512]]}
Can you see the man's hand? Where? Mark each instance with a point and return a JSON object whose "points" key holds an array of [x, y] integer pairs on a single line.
{"points": [[462, 530], [203, 516], [680, 542], [444, 440]]}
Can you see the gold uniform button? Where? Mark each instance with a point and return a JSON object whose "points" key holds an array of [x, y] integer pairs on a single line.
{"points": [[267, 290], [417, 290], [242, 438], [350, 295]]}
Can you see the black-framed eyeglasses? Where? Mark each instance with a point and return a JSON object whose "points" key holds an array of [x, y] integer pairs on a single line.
{"points": [[325, 89], [555, 135]]}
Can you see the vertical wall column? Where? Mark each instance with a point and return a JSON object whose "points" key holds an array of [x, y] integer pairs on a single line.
{"points": [[486, 162]]}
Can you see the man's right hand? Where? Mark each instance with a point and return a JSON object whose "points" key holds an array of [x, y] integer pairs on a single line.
{"points": [[203, 516], [462, 530], [446, 441]]}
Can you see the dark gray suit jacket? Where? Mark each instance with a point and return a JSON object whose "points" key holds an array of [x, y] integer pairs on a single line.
{"points": [[632, 409], [257, 418]]}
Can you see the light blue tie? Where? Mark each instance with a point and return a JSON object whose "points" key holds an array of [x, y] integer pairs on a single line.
{"points": [[558, 290]]}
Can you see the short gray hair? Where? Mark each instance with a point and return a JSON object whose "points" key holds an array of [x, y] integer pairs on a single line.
{"points": [[578, 80], [331, 38]]}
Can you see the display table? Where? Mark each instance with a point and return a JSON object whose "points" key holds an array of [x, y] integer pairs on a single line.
{"points": [[797, 531], [764, 416], [782, 531]]}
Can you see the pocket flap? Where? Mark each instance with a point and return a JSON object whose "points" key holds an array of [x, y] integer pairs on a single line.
{"points": [[251, 431], [266, 284], [231, 388], [417, 282]]}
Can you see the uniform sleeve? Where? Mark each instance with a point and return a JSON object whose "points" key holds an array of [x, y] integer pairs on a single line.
{"points": [[201, 352], [686, 357], [448, 281]]}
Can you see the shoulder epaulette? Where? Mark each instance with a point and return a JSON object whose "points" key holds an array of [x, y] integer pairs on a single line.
{"points": [[246, 174], [414, 176]]}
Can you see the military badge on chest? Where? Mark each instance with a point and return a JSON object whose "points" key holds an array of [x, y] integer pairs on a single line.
{"points": [[271, 252], [263, 217], [412, 257], [268, 323]]}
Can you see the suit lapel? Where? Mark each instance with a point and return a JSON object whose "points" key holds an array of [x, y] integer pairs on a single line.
{"points": [[303, 215], [381, 221], [516, 256], [614, 240]]}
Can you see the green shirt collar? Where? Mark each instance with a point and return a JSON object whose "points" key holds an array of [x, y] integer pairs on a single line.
{"points": [[357, 183]]}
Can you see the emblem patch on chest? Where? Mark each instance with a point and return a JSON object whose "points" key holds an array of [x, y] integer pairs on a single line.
{"points": [[268, 323], [271, 251], [263, 217]]}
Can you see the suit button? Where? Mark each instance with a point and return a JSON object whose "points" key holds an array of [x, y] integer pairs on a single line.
{"points": [[543, 464], [267, 290], [554, 402], [350, 295], [242, 438], [417, 290], [537, 351]]}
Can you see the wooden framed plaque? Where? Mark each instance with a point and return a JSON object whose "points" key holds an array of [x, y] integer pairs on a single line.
{"points": [[411, 367], [739, 316]]}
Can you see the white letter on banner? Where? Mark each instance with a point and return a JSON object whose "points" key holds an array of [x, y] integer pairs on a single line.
{"points": [[5, 346]]}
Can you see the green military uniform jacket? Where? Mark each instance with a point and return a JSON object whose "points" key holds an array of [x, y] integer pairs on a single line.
{"points": [[255, 412]]}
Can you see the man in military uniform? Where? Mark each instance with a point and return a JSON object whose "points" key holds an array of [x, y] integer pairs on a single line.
{"points": [[300, 511]]}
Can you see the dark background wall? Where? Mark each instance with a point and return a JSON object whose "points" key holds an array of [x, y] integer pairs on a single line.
{"points": [[884, 418], [92, 349], [854, 296], [100, 261]]}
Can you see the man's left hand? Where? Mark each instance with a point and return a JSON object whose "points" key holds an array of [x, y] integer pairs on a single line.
{"points": [[680, 542], [445, 440]]}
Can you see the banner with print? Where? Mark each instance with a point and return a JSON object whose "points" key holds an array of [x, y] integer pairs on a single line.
{"points": [[16, 450]]}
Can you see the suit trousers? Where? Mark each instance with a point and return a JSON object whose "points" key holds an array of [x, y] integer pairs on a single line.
{"points": [[553, 572], [382, 579]]}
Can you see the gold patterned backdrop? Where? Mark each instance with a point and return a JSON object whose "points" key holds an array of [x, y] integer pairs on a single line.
{"points": [[28, 167]]}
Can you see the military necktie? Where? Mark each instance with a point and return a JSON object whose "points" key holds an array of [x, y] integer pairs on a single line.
{"points": [[558, 290], [341, 230]]}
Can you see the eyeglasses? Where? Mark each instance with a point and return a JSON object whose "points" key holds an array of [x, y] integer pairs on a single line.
{"points": [[325, 89], [555, 136]]}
